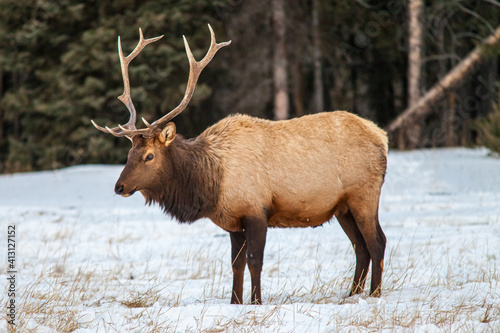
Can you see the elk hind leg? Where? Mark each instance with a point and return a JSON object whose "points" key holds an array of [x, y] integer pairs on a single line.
{"points": [[348, 224], [366, 217], [377, 259]]}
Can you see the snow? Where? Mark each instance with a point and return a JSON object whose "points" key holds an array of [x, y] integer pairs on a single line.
{"points": [[90, 261]]}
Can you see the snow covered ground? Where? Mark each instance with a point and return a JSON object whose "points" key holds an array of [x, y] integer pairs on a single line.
{"points": [[90, 261]]}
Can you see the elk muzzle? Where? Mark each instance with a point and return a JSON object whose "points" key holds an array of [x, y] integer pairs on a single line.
{"points": [[121, 189]]}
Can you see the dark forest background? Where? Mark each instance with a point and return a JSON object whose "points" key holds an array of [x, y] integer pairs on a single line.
{"points": [[59, 69]]}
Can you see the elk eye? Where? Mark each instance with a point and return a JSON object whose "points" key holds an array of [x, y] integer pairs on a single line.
{"points": [[149, 157]]}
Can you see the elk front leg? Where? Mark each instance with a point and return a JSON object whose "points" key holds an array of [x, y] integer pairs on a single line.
{"points": [[238, 263], [255, 232]]}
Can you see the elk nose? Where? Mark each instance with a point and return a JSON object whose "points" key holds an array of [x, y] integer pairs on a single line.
{"points": [[119, 189]]}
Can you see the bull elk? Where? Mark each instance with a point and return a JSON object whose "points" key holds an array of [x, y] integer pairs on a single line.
{"points": [[248, 174]]}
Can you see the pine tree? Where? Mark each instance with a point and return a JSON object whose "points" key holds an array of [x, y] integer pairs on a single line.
{"points": [[62, 70]]}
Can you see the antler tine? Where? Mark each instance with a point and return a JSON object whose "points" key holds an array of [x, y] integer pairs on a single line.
{"points": [[124, 62], [128, 128], [148, 125], [195, 68]]}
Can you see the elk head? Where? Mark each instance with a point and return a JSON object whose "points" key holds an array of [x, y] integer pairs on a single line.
{"points": [[146, 160]]}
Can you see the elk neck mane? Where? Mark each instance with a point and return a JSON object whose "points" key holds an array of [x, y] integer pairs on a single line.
{"points": [[189, 188]]}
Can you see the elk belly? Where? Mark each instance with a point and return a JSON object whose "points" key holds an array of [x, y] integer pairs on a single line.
{"points": [[305, 213], [290, 219]]}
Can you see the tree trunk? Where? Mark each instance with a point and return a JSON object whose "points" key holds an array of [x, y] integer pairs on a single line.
{"points": [[485, 90], [452, 79], [281, 104], [414, 130], [450, 106], [298, 87], [449, 121], [1, 108], [318, 100], [16, 126], [354, 87]]}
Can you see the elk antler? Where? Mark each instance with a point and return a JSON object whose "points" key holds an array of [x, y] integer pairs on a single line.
{"points": [[195, 69], [125, 97]]}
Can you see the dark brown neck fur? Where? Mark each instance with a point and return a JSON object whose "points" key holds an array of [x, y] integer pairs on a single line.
{"points": [[189, 189]]}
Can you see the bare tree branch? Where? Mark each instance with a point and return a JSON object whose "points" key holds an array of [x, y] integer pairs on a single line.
{"points": [[453, 78], [476, 15]]}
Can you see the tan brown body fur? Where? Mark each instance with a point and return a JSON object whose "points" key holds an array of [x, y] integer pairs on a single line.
{"points": [[298, 172]]}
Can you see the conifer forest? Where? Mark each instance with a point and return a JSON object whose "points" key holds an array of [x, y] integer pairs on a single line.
{"points": [[426, 71]]}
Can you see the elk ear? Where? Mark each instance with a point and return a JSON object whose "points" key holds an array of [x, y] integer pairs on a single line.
{"points": [[167, 135]]}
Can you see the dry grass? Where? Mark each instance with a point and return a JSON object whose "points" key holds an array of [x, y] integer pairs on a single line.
{"points": [[141, 299], [58, 301], [302, 291]]}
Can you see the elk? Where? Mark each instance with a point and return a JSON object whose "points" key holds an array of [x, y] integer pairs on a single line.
{"points": [[248, 174]]}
